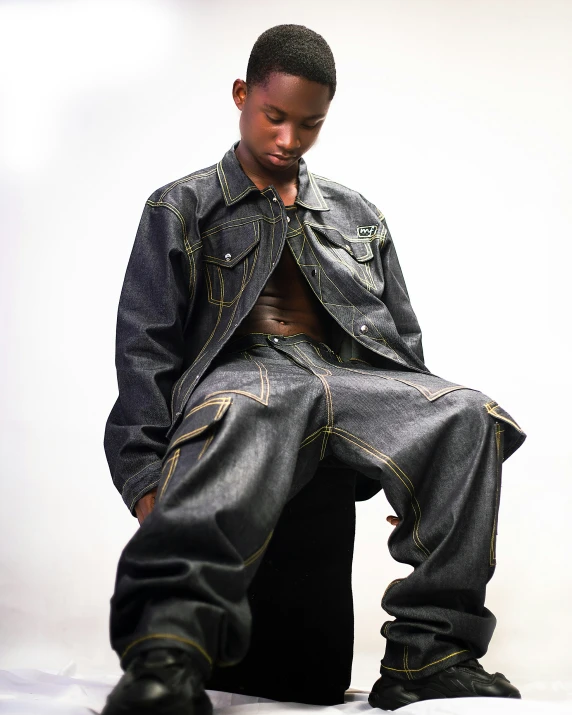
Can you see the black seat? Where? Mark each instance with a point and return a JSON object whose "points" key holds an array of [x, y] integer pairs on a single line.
{"points": [[301, 647]]}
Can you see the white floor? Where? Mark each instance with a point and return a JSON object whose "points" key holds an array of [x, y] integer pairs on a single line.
{"points": [[37, 692]]}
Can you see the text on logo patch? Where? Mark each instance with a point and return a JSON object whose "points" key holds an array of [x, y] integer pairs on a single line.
{"points": [[366, 231]]}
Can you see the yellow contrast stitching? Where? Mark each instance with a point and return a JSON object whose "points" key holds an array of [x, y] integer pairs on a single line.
{"points": [[207, 403], [397, 580], [259, 552], [350, 239], [255, 218], [173, 459], [327, 372], [227, 192], [491, 408], [431, 396], [310, 438], [201, 650], [192, 276], [177, 213], [205, 446], [264, 387], [406, 662], [201, 353], [498, 432], [245, 282], [399, 473], [219, 261], [157, 461], [186, 178], [147, 488], [192, 433], [416, 670], [222, 405], [195, 362], [349, 303], [186, 244], [329, 402]]}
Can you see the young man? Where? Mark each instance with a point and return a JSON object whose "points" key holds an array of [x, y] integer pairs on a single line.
{"points": [[264, 325]]}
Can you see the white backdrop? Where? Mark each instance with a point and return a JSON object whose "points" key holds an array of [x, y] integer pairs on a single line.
{"points": [[452, 116]]}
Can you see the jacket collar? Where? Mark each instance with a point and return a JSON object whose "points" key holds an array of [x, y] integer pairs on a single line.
{"points": [[235, 184]]}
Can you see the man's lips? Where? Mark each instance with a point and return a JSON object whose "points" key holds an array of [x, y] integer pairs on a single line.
{"points": [[283, 157]]}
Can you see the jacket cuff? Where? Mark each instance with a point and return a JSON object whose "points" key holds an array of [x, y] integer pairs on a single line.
{"points": [[139, 484]]}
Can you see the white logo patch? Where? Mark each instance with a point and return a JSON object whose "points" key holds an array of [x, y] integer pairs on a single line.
{"points": [[366, 231]]}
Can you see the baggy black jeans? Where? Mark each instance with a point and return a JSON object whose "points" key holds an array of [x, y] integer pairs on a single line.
{"points": [[269, 409]]}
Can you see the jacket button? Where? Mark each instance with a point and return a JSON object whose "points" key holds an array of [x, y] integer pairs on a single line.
{"points": [[288, 219], [363, 328], [274, 199], [227, 256], [313, 271]]}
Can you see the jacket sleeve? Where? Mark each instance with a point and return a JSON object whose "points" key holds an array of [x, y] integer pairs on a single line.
{"points": [[149, 350], [395, 295]]}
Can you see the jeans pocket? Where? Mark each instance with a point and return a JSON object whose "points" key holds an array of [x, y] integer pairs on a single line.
{"points": [[196, 421], [199, 418], [514, 436]]}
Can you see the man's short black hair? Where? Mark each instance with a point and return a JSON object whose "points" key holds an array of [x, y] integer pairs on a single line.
{"points": [[295, 50]]}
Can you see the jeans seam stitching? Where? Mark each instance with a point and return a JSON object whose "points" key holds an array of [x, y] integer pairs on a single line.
{"points": [[201, 650], [396, 469]]}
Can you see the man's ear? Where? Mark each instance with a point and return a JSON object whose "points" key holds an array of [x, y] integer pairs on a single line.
{"points": [[239, 93]]}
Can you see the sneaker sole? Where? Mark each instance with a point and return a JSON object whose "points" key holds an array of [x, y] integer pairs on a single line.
{"points": [[396, 697]]}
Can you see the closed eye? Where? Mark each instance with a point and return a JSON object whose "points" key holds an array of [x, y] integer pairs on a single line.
{"points": [[272, 120]]}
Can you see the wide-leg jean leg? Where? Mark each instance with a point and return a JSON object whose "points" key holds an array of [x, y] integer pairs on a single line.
{"points": [[437, 448], [231, 466], [440, 465]]}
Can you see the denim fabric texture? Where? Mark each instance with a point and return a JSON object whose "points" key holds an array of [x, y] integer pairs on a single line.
{"points": [[252, 435], [205, 247], [229, 429]]}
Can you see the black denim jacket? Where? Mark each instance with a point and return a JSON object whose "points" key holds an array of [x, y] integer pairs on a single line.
{"points": [[204, 249]]}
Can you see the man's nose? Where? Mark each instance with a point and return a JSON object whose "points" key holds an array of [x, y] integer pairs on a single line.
{"points": [[287, 139]]}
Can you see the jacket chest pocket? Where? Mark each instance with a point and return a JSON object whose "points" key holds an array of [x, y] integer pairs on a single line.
{"points": [[230, 254], [359, 249], [355, 254]]}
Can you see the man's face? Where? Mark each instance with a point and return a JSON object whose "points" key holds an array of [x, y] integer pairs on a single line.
{"points": [[281, 120]]}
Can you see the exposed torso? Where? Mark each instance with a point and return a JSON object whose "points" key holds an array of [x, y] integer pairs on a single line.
{"points": [[287, 305]]}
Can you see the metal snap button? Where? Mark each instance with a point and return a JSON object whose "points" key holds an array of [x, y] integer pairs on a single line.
{"points": [[227, 256], [288, 219], [363, 328], [275, 340], [313, 271], [274, 198]]}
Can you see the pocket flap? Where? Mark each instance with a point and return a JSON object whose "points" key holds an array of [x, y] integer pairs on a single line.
{"points": [[358, 248], [231, 244], [514, 435], [198, 419]]}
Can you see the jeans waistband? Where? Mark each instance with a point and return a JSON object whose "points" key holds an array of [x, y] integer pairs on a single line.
{"points": [[243, 342]]}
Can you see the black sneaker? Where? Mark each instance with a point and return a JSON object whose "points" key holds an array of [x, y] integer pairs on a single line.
{"points": [[161, 681], [463, 680]]}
